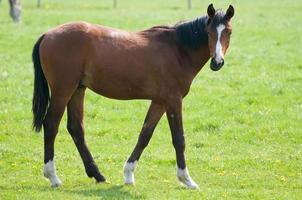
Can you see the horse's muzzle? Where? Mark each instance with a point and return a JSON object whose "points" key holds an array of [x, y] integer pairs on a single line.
{"points": [[215, 66]]}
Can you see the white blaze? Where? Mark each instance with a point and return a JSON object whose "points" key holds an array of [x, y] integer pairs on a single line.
{"points": [[218, 51]]}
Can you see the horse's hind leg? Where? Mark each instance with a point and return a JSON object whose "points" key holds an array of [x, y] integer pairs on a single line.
{"points": [[153, 116], [75, 127], [50, 125]]}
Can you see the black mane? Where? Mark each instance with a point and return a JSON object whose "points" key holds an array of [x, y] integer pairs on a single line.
{"points": [[193, 34]]}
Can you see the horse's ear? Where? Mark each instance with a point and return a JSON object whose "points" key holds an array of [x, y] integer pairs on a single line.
{"points": [[211, 11], [230, 12]]}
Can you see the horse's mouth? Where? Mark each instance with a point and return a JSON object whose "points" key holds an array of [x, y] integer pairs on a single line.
{"points": [[216, 66]]}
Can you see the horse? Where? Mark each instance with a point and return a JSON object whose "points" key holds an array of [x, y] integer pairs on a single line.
{"points": [[157, 64], [15, 10]]}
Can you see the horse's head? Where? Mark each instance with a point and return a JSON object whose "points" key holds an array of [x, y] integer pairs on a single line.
{"points": [[219, 32]]}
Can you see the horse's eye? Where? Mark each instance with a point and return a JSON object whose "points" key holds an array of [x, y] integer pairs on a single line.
{"points": [[230, 33]]}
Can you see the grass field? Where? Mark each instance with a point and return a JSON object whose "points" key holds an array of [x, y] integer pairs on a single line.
{"points": [[243, 124]]}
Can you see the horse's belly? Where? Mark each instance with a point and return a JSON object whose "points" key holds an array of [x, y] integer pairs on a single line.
{"points": [[120, 93], [117, 89]]}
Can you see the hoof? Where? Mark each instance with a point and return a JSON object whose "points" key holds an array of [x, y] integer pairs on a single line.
{"points": [[129, 173], [54, 180], [56, 183], [130, 183], [184, 177], [100, 178], [50, 174], [129, 179], [188, 182], [92, 171], [103, 182]]}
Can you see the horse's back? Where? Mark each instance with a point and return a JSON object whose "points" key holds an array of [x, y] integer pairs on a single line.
{"points": [[112, 62]]}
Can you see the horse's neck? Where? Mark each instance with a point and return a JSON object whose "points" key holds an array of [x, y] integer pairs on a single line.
{"points": [[192, 36], [199, 57]]}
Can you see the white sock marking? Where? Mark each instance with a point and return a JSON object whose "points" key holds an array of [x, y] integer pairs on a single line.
{"points": [[50, 173], [129, 168], [218, 50], [184, 177]]}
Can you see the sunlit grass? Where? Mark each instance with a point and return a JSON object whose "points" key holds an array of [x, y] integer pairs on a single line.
{"points": [[243, 124]]}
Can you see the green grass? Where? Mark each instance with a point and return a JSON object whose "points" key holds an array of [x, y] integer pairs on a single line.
{"points": [[243, 124]]}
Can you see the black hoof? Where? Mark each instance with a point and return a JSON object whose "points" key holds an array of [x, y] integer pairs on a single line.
{"points": [[92, 171], [100, 178]]}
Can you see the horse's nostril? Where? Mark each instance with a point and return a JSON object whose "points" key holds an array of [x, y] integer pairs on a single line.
{"points": [[216, 64], [213, 60], [222, 62]]}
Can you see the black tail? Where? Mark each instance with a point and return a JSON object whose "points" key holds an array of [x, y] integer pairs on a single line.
{"points": [[41, 92]]}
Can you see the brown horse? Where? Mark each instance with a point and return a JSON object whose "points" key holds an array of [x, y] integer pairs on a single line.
{"points": [[158, 64]]}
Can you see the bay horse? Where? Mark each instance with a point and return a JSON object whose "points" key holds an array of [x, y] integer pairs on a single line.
{"points": [[156, 64]]}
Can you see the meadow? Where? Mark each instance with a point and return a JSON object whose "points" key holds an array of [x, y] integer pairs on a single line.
{"points": [[243, 124]]}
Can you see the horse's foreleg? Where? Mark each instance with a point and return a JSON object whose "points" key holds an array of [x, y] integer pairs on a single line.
{"points": [[153, 116], [75, 127], [174, 115], [50, 125]]}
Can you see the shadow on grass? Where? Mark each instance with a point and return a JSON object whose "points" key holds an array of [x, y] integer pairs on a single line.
{"points": [[111, 192]]}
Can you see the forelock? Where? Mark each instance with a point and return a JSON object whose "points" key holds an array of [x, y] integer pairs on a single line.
{"points": [[219, 18]]}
